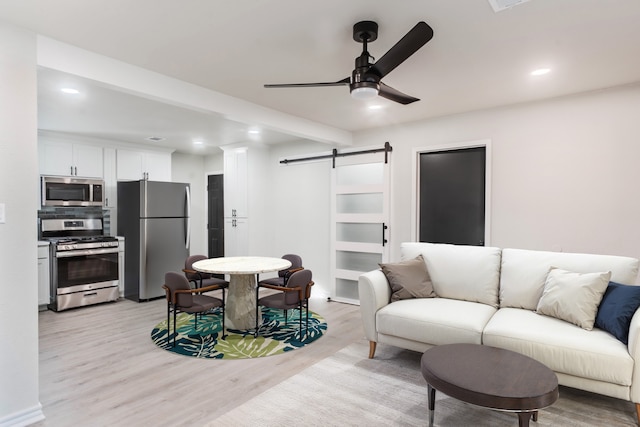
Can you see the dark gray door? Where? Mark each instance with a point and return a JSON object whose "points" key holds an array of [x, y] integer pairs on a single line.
{"points": [[215, 220], [452, 196]]}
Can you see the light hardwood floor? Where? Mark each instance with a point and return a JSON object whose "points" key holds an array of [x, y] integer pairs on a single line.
{"points": [[99, 367]]}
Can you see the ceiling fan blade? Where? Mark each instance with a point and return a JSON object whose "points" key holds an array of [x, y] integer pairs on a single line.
{"points": [[395, 95], [342, 82], [417, 37]]}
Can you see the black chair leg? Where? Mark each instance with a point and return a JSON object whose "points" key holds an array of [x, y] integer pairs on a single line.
{"points": [[174, 327], [224, 334], [255, 334], [168, 322], [300, 316], [307, 322]]}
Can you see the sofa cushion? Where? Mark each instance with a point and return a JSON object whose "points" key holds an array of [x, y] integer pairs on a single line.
{"points": [[562, 346], [524, 272], [468, 273], [434, 320], [573, 297], [617, 308], [408, 279]]}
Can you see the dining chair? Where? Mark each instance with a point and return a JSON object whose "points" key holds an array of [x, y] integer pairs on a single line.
{"points": [[198, 278], [181, 298], [283, 275], [295, 294]]}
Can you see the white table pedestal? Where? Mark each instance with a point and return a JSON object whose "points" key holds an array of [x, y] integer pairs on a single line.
{"points": [[240, 311]]}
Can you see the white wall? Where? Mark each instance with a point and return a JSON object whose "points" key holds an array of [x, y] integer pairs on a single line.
{"points": [[565, 171], [19, 403], [564, 177], [298, 209], [289, 205]]}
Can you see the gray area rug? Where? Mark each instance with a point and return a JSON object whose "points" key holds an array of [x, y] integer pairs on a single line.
{"points": [[348, 389]]}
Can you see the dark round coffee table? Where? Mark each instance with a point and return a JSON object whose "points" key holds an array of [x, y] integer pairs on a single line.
{"points": [[489, 377]]}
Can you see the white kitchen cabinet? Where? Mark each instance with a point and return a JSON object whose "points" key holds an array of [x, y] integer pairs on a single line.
{"points": [[132, 165], [70, 159], [236, 170], [236, 237], [110, 180], [43, 275], [236, 212]]}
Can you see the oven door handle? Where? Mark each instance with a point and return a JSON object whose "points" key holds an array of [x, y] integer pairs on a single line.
{"points": [[69, 254]]}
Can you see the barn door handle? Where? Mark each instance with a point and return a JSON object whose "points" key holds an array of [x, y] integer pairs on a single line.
{"points": [[384, 228]]}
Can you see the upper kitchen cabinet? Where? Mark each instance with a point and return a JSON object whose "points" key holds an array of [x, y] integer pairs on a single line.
{"points": [[133, 165], [70, 159]]}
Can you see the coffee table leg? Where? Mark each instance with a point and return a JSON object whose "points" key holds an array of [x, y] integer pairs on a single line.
{"points": [[524, 417], [432, 403]]}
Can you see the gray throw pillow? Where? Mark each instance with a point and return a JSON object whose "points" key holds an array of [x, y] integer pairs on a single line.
{"points": [[573, 297], [408, 279]]}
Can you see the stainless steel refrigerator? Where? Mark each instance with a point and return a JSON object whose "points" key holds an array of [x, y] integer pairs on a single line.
{"points": [[154, 219]]}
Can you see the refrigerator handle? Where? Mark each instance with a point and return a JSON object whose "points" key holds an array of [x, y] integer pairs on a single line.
{"points": [[187, 242]]}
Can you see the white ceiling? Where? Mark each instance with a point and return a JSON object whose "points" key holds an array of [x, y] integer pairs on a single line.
{"points": [[477, 58]]}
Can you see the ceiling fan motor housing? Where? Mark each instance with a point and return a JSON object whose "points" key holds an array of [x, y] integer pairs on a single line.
{"points": [[360, 78], [365, 30]]}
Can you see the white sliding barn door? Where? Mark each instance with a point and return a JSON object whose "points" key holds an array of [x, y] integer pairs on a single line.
{"points": [[360, 215]]}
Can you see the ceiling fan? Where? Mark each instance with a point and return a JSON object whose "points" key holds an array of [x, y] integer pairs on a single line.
{"points": [[365, 81]]}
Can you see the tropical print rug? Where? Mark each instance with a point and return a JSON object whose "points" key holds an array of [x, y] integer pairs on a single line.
{"points": [[206, 342]]}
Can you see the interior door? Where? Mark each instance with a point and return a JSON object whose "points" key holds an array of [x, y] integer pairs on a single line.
{"points": [[452, 196], [359, 228], [215, 215]]}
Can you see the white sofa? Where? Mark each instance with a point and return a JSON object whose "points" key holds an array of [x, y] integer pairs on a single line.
{"points": [[489, 296]]}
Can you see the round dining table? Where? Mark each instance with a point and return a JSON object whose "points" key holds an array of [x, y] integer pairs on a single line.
{"points": [[240, 308]]}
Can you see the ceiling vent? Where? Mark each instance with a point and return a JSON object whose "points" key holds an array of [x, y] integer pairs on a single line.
{"points": [[155, 138], [500, 5]]}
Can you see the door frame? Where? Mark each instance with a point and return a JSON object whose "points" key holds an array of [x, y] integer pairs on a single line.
{"points": [[415, 182]]}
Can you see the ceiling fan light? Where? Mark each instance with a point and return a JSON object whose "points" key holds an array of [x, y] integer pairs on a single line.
{"points": [[364, 90]]}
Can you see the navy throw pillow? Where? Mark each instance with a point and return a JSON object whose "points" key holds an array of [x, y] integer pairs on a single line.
{"points": [[618, 305]]}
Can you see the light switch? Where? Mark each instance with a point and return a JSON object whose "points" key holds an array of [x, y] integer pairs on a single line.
{"points": [[2, 214]]}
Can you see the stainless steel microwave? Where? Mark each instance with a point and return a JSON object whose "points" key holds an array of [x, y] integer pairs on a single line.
{"points": [[72, 191]]}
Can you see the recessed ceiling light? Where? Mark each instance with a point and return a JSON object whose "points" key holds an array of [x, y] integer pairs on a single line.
{"points": [[70, 90], [254, 131], [540, 71], [198, 142], [156, 138]]}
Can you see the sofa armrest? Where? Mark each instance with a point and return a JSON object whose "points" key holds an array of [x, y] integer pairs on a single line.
{"points": [[374, 293], [634, 351]]}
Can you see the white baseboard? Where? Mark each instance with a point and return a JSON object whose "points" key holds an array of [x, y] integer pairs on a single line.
{"points": [[23, 418]]}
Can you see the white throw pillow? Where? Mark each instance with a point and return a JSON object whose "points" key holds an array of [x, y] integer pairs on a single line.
{"points": [[573, 297]]}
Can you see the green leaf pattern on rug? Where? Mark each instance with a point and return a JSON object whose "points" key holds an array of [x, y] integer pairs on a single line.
{"points": [[276, 335], [242, 347]]}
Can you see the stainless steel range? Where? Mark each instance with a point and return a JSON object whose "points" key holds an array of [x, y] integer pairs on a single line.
{"points": [[83, 262]]}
